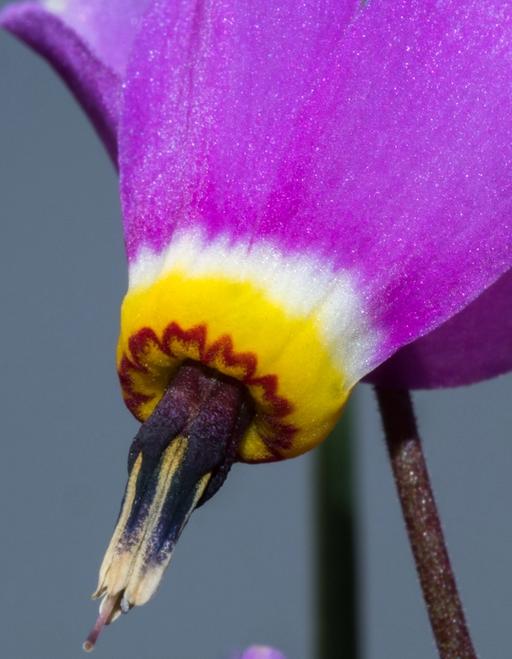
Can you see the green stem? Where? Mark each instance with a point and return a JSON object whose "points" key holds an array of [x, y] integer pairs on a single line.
{"points": [[337, 626]]}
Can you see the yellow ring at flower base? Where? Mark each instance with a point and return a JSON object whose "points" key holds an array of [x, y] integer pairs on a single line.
{"points": [[233, 326]]}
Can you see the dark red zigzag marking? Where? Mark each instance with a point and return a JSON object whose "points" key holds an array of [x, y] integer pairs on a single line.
{"points": [[281, 434]]}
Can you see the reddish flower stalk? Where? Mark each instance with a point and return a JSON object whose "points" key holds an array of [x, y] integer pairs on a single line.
{"points": [[424, 526]]}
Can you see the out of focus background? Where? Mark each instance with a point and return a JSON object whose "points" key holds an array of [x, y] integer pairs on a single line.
{"points": [[244, 570]]}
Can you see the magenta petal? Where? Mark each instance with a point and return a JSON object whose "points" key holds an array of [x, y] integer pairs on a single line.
{"points": [[473, 345], [371, 137], [262, 652], [95, 86], [213, 119], [107, 28]]}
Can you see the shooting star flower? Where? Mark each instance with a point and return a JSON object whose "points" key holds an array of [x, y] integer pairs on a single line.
{"points": [[313, 193]]}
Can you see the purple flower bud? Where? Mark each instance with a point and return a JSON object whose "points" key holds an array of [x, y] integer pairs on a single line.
{"points": [[262, 652]]}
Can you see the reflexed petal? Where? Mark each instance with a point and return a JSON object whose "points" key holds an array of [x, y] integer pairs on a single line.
{"points": [[94, 85], [107, 29], [87, 42], [473, 345]]}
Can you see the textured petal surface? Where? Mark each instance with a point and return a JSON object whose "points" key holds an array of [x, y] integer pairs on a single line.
{"points": [[375, 139], [108, 27], [473, 345], [93, 83]]}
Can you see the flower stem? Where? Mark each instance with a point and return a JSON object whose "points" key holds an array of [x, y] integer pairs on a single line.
{"points": [[423, 526], [337, 604]]}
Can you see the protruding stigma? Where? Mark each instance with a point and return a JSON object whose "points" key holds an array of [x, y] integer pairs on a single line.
{"points": [[107, 608]]}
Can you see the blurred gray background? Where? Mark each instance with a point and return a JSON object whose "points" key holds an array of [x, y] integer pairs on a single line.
{"points": [[243, 571]]}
